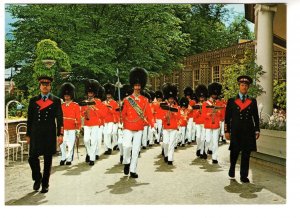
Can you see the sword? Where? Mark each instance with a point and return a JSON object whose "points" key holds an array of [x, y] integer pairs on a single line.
{"points": [[119, 85]]}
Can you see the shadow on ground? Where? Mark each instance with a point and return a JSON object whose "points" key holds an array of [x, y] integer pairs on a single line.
{"points": [[245, 190], [32, 198]]}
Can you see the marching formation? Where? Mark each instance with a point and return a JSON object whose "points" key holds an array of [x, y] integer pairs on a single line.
{"points": [[133, 118]]}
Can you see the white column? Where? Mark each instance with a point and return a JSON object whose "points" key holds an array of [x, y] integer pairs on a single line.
{"points": [[264, 15]]}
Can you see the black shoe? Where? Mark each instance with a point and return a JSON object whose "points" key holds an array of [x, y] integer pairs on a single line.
{"points": [[115, 147], [189, 143], [134, 175], [176, 147], [143, 147], [148, 142], [162, 152], [204, 156], [156, 142], [170, 162], [97, 157], [62, 162], [37, 184], [92, 163], [231, 173], [108, 152], [209, 152], [215, 161], [245, 180], [198, 153], [166, 159], [183, 145], [126, 169], [201, 156], [150, 145], [87, 158], [45, 189], [121, 158], [68, 163]]}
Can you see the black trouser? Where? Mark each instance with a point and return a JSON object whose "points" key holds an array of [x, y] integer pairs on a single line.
{"points": [[34, 163], [245, 159]]}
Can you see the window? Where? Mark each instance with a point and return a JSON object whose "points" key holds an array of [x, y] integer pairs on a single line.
{"points": [[216, 74]]}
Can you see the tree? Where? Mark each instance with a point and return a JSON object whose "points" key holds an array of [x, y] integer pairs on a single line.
{"points": [[245, 66]]}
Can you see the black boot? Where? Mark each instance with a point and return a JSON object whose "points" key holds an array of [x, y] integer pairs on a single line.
{"points": [[198, 153], [87, 158], [209, 152], [231, 172], [170, 162], [68, 163], [62, 162], [121, 158], [166, 159], [204, 155], [126, 169], [97, 157], [134, 175], [215, 161], [108, 152], [45, 188], [91, 163], [37, 184]]}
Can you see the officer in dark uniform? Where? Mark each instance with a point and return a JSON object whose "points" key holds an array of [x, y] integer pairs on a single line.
{"points": [[241, 127], [44, 124]]}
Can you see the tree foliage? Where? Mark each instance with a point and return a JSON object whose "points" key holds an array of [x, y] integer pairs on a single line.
{"points": [[279, 94], [245, 66]]}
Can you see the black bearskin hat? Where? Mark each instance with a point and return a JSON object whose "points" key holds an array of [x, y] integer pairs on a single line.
{"points": [[158, 94], [67, 88], [125, 91], [188, 91], [152, 94], [169, 90], [138, 75], [146, 94], [109, 89], [101, 92], [92, 85], [201, 91], [214, 89], [184, 102]]}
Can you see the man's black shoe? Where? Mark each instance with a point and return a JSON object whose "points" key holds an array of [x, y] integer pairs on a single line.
{"points": [[97, 157], [108, 152], [170, 162], [176, 147], [162, 152], [204, 156], [62, 162], [231, 173], [189, 143], [121, 158], [166, 159], [68, 163], [37, 184], [201, 156], [215, 161], [245, 180], [156, 142], [134, 175], [209, 152], [87, 158], [126, 169], [198, 153], [91, 163], [115, 147], [45, 189], [183, 145], [143, 147]]}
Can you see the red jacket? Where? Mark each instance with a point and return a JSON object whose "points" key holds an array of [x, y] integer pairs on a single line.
{"points": [[198, 118], [131, 119], [71, 115], [183, 116], [211, 118], [158, 112], [191, 104], [111, 112], [172, 118], [96, 113]]}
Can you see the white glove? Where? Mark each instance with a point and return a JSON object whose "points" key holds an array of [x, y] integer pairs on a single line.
{"points": [[153, 130], [155, 125]]}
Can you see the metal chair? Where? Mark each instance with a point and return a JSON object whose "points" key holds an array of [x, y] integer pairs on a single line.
{"points": [[21, 130], [12, 146]]}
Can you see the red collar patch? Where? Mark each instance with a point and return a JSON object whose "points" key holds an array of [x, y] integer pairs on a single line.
{"points": [[241, 104], [44, 104]]}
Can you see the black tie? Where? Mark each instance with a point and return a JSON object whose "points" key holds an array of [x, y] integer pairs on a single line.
{"points": [[44, 98], [243, 98]]}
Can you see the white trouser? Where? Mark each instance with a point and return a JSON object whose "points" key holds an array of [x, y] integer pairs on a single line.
{"points": [[100, 137], [222, 133], [212, 138], [159, 129], [189, 130], [169, 142], [115, 134], [90, 140], [193, 131], [145, 136], [120, 141], [108, 130], [131, 147], [181, 134], [200, 137], [150, 136], [69, 140]]}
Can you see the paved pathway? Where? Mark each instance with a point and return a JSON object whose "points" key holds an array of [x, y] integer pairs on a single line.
{"points": [[190, 181]]}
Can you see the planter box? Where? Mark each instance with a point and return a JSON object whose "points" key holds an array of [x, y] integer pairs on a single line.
{"points": [[272, 142]]}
